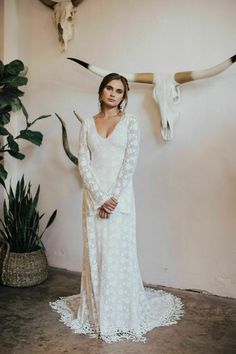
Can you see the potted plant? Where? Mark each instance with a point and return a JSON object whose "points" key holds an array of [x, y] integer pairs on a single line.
{"points": [[22, 257], [12, 76], [25, 262]]}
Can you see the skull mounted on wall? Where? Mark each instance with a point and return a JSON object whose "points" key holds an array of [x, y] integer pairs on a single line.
{"points": [[63, 18]]}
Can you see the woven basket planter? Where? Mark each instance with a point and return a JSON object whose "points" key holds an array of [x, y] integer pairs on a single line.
{"points": [[24, 269]]}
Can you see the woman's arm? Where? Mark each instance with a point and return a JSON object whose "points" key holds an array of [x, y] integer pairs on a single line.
{"points": [[130, 158], [86, 170]]}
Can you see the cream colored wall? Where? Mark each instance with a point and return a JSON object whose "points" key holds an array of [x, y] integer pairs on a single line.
{"points": [[1, 28], [185, 189]]}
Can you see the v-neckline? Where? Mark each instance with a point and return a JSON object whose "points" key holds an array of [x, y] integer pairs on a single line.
{"points": [[106, 138]]}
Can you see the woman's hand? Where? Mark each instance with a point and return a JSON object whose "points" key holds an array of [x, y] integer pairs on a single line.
{"points": [[103, 214], [110, 205], [107, 208]]}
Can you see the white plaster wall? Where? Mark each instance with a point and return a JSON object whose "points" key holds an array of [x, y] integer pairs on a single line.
{"points": [[1, 28], [186, 188]]}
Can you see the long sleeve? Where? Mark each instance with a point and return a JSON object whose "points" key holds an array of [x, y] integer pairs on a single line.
{"points": [[86, 171], [130, 158]]}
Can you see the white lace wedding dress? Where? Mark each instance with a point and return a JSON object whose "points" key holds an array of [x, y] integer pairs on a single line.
{"points": [[113, 304]]}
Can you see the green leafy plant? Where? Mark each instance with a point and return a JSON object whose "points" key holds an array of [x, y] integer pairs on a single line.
{"points": [[12, 76], [20, 225]]}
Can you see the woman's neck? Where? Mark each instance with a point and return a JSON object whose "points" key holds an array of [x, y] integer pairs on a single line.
{"points": [[108, 113]]}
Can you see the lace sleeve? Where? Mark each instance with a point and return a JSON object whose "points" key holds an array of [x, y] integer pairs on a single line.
{"points": [[130, 158], [86, 170]]}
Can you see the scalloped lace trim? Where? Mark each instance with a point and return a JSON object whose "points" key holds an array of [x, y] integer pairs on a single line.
{"points": [[173, 312]]}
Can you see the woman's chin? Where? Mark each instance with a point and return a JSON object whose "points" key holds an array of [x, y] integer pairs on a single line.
{"points": [[110, 104]]}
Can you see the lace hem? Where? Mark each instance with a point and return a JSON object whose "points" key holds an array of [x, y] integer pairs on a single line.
{"points": [[174, 313]]}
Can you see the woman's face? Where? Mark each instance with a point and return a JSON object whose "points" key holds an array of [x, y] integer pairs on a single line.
{"points": [[113, 93]]}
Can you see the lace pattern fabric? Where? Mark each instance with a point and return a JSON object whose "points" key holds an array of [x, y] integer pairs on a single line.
{"points": [[166, 310], [113, 304], [130, 158], [88, 176]]}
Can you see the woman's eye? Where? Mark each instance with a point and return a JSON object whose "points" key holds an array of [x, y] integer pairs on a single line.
{"points": [[108, 88], [119, 91]]}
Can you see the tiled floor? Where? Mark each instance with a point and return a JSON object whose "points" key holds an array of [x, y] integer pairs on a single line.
{"points": [[29, 326]]}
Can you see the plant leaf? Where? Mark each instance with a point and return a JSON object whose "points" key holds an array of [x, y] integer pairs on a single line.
{"points": [[15, 81], [32, 136], [4, 131], [12, 143], [4, 118], [21, 219], [1, 69], [16, 154], [2, 182], [24, 71], [4, 104], [13, 68], [25, 112], [3, 172], [15, 104], [13, 92], [41, 117], [52, 218], [50, 221]]}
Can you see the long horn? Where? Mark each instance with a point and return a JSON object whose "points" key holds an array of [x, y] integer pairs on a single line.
{"points": [[65, 141], [180, 77], [186, 76], [49, 3], [137, 77], [78, 117]]}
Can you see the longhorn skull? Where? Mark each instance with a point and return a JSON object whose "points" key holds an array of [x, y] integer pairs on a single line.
{"points": [[166, 90], [63, 18]]}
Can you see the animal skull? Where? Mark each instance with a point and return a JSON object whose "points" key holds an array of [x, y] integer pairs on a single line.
{"points": [[166, 90], [166, 93], [63, 18]]}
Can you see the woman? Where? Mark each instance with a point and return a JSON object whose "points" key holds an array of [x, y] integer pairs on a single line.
{"points": [[113, 304]]}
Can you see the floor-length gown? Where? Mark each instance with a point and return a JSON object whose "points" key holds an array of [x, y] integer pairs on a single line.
{"points": [[113, 304]]}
